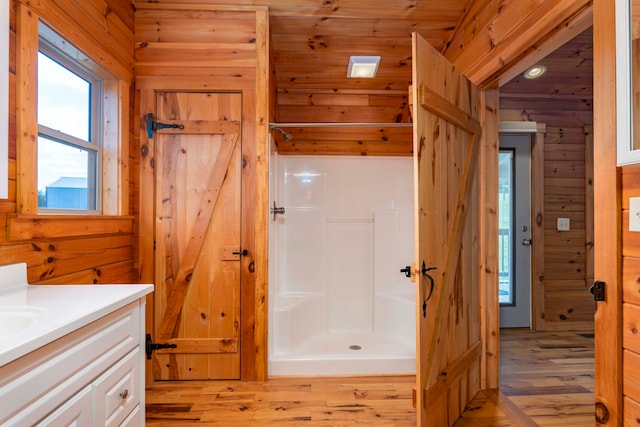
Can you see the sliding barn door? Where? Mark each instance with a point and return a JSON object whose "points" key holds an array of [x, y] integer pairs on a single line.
{"points": [[446, 154], [198, 169]]}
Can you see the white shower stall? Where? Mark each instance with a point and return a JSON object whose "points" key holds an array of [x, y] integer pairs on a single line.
{"points": [[338, 303]]}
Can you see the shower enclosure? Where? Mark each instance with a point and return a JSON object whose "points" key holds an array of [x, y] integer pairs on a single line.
{"points": [[338, 303]]}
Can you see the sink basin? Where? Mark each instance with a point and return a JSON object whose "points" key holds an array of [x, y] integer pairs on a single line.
{"points": [[15, 319]]}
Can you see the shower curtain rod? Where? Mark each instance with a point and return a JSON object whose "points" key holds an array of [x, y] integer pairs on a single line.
{"points": [[337, 124]]}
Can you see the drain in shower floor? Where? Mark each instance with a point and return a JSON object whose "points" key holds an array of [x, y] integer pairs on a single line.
{"points": [[355, 347]]}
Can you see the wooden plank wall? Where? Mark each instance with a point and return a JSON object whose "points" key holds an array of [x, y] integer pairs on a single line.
{"points": [[567, 302], [630, 187], [630, 297], [565, 271], [209, 48], [71, 249]]}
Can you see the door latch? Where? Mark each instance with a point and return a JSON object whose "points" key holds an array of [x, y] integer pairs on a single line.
{"points": [[243, 252], [598, 290], [150, 346]]}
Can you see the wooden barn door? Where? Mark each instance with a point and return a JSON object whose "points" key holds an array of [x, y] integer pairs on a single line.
{"points": [[198, 170], [446, 155]]}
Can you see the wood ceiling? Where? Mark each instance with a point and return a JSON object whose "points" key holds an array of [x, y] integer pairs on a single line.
{"points": [[563, 96], [311, 41], [312, 45]]}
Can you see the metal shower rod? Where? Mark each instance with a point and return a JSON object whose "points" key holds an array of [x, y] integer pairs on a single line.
{"points": [[338, 124]]}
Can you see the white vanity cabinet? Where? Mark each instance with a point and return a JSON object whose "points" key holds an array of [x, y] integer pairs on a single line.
{"points": [[90, 376]]}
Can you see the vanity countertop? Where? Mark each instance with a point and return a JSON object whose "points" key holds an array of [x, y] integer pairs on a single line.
{"points": [[52, 311]]}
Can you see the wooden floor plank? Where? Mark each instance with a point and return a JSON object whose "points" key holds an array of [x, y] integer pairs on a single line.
{"points": [[546, 380]]}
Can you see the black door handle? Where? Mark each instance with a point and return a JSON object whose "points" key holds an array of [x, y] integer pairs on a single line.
{"points": [[425, 272], [243, 252]]}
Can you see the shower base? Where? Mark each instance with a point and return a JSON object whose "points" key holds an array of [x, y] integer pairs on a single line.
{"points": [[346, 354]]}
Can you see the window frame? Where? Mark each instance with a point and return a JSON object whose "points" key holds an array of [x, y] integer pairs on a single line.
{"points": [[115, 103], [94, 144]]}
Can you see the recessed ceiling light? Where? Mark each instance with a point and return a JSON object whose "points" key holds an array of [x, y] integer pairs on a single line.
{"points": [[363, 66], [535, 71]]}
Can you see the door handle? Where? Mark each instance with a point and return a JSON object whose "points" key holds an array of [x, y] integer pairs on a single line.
{"points": [[425, 273], [525, 242]]}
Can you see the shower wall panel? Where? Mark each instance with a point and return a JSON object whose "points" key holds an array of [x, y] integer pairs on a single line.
{"points": [[338, 302]]}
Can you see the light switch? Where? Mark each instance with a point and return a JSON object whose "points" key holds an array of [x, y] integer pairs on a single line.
{"points": [[564, 224], [634, 214]]}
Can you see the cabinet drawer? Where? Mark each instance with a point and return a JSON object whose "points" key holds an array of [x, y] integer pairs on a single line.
{"points": [[77, 411], [116, 391], [134, 419], [38, 383]]}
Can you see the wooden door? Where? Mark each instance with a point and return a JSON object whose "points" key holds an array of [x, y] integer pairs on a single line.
{"points": [[446, 155], [197, 205]]}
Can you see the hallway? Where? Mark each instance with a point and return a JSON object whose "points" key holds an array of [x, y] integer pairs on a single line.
{"points": [[546, 379]]}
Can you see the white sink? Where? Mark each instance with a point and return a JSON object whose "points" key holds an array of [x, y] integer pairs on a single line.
{"points": [[15, 319]]}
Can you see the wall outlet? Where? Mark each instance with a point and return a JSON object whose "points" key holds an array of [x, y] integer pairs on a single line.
{"points": [[564, 224], [634, 213]]}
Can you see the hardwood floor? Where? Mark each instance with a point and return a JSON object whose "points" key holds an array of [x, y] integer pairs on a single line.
{"points": [[347, 401], [546, 380]]}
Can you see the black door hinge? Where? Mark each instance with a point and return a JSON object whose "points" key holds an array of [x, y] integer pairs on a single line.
{"points": [[153, 126], [150, 346]]}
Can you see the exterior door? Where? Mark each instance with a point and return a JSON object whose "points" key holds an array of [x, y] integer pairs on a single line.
{"points": [[446, 154], [197, 205], [514, 196]]}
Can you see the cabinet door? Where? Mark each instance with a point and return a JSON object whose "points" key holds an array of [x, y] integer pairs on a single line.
{"points": [[76, 411], [117, 391]]}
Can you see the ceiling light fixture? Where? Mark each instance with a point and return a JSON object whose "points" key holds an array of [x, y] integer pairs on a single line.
{"points": [[363, 66], [535, 71]]}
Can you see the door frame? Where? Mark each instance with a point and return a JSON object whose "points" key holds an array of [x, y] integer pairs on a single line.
{"points": [[489, 203], [607, 220]]}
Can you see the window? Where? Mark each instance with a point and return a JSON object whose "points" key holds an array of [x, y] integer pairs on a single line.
{"points": [[505, 228], [69, 134], [74, 120]]}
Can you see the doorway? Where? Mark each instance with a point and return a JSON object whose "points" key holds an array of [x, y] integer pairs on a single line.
{"points": [[514, 196]]}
